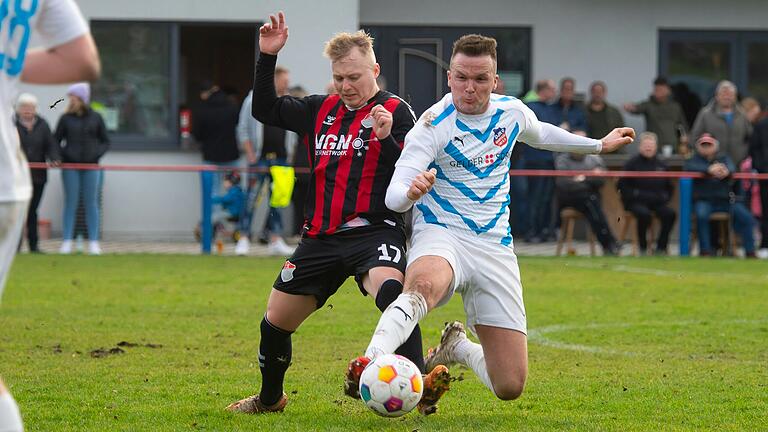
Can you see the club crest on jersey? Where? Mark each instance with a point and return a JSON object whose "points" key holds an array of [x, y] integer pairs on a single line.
{"points": [[500, 136], [329, 120], [286, 274], [367, 122]]}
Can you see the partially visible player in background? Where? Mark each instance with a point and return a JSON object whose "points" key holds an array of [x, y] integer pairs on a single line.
{"points": [[71, 56], [355, 137], [461, 234]]}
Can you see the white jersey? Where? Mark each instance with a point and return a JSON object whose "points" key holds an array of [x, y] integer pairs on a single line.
{"points": [[58, 22], [471, 154]]}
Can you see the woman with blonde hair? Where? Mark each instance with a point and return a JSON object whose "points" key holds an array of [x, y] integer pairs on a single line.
{"points": [[85, 140]]}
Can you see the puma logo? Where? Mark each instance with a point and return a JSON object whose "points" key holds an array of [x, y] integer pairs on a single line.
{"points": [[459, 139], [407, 317]]}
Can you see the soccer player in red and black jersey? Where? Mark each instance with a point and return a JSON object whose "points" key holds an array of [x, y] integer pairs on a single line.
{"points": [[355, 137]]}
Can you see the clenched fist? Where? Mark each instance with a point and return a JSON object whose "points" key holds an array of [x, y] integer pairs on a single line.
{"points": [[422, 184], [382, 121]]}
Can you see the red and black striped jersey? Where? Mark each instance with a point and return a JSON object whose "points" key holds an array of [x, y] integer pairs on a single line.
{"points": [[351, 166]]}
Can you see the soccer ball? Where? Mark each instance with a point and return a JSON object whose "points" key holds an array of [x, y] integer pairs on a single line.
{"points": [[391, 385]]}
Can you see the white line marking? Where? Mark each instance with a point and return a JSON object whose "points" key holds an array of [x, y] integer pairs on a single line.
{"points": [[538, 336]]}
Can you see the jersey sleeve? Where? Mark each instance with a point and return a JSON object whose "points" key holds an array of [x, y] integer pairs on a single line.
{"points": [[545, 136], [60, 21], [419, 152], [287, 112]]}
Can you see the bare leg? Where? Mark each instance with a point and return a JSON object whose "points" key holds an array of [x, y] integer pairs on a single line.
{"points": [[505, 359]]}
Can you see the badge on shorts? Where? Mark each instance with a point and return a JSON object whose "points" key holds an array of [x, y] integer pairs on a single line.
{"points": [[286, 274]]}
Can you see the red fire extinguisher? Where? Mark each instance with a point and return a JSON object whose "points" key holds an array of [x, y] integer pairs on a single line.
{"points": [[185, 123]]}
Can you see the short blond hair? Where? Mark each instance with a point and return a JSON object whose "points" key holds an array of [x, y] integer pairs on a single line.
{"points": [[342, 43]]}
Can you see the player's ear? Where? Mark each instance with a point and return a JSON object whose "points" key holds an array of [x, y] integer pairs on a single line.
{"points": [[376, 70], [495, 81]]}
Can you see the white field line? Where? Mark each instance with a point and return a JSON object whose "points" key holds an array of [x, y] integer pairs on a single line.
{"points": [[539, 336], [655, 272]]}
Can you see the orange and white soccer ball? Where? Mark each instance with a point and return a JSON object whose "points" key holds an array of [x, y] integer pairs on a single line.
{"points": [[391, 385]]}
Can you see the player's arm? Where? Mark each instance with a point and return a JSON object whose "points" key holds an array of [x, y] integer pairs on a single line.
{"points": [[411, 179], [71, 54], [545, 136], [286, 112], [392, 128]]}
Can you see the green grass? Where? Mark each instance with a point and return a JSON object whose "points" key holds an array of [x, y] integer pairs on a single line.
{"points": [[616, 344]]}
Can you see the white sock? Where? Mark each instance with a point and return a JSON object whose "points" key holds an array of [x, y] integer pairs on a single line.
{"points": [[471, 355], [396, 324], [10, 418]]}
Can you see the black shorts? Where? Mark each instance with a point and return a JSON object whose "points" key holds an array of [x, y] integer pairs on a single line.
{"points": [[319, 266]]}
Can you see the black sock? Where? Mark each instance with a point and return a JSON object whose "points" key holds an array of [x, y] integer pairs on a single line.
{"points": [[411, 349], [274, 360]]}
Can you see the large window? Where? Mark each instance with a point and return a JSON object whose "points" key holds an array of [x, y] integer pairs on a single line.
{"points": [[133, 93], [151, 71], [699, 59]]}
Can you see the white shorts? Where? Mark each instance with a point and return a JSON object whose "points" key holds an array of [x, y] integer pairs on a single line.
{"points": [[12, 218], [486, 275]]}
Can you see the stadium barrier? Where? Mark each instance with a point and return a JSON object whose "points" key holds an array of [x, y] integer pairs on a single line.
{"points": [[685, 185]]}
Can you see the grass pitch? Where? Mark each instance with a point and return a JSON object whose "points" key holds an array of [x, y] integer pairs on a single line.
{"points": [[615, 344]]}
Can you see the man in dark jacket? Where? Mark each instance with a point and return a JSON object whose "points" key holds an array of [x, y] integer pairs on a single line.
{"points": [[646, 196], [38, 145], [663, 116], [583, 194], [714, 194], [758, 149], [214, 122]]}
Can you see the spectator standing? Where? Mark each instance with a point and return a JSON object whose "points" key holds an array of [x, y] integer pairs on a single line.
{"points": [[726, 122], [644, 197], [214, 121], [664, 117], [265, 146], [583, 194], [85, 140], [536, 212], [714, 193], [39, 146], [602, 117], [758, 150], [570, 113]]}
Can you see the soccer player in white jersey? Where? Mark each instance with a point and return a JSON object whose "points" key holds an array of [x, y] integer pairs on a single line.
{"points": [[454, 171], [70, 56]]}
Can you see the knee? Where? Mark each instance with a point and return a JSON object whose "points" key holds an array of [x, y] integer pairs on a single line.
{"points": [[509, 390], [426, 288]]}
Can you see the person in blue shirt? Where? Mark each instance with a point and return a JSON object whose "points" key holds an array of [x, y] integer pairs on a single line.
{"points": [[234, 199], [537, 213]]}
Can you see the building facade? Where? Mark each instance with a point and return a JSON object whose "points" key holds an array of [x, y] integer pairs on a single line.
{"points": [[154, 52]]}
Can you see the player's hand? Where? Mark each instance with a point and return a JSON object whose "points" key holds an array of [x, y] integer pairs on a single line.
{"points": [[273, 35], [422, 184], [617, 139], [382, 121]]}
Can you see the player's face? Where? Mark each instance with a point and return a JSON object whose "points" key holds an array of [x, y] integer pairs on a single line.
{"points": [[648, 148], [354, 77], [472, 79]]}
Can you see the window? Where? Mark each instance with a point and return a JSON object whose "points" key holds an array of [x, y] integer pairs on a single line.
{"points": [[133, 94], [152, 70], [699, 59]]}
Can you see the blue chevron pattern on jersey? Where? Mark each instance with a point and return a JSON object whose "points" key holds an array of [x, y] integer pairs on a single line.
{"points": [[448, 207], [464, 189], [481, 136], [448, 111], [429, 216]]}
